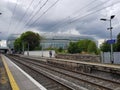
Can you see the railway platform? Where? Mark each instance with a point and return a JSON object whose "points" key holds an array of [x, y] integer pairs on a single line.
{"points": [[4, 81], [19, 80], [84, 66], [84, 85]]}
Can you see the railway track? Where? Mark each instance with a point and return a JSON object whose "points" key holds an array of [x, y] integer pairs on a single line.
{"points": [[85, 80], [48, 82]]}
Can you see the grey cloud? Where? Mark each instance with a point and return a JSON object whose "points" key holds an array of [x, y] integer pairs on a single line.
{"points": [[53, 20]]}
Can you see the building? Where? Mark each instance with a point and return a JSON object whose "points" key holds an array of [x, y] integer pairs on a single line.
{"points": [[53, 41], [57, 41], [11, 40]]}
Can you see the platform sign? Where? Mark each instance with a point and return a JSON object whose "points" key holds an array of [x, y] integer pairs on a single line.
{"points": [[111, 41]]}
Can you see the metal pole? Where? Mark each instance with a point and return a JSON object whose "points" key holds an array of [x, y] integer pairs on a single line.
{"points": [[23, 47], [28, 49], [111, 49], [42, 51], [111, 53]]}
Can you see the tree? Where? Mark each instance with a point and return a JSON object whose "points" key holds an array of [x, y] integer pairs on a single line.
{"points": [[60, 49], [28, 38], [105, 47], [92, 48], [18, 44], [82, 46], [73, 48]]}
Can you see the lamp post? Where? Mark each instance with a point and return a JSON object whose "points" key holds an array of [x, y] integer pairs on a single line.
{"points": [[110, 28]]}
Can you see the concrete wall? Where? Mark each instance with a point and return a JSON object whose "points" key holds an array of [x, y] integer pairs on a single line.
{"points": [[80, 57], [40, 53]]}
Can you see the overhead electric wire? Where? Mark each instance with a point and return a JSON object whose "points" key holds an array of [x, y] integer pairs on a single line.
{"points": [[32, 16], [56, 2], [81, 9], [90, 3], [95, 7], [37, 12], [25, 13], [83, 15], [46, 11], [96, 11], [38, 4], [93, 12], [34, 9], [9, 26]]}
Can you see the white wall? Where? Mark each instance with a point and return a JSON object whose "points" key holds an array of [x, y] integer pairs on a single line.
{"points": [[40, 53], [105, 56]]}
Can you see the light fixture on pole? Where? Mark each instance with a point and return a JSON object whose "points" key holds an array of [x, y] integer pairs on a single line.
{"points": [[110, 28]]}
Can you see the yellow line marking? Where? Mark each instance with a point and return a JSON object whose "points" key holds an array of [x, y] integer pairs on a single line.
{"points": [[11, 78]]}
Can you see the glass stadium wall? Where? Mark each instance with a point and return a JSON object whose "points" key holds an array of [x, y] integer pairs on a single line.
{"points": [[54, 43]]}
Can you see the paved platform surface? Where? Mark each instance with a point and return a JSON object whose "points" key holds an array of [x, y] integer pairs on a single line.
{"points": [[4, 81], [22, 79]]}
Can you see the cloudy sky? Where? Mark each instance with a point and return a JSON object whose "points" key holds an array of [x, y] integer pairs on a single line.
{"points": [[79, 17]]}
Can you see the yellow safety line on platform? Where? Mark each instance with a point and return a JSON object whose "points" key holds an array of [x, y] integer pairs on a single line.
{"points": [[11, 78]]}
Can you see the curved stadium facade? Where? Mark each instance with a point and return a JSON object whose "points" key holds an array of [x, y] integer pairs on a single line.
{"points": [[57, 41], [53, 41]]}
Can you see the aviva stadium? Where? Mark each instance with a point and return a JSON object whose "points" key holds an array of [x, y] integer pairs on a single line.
{"points": [[57, 41], [53, 41]]}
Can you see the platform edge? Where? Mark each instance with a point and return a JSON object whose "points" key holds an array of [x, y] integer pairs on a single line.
{"points": [[10, 76]]}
